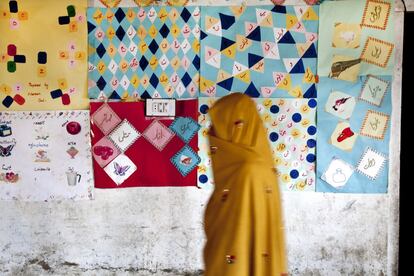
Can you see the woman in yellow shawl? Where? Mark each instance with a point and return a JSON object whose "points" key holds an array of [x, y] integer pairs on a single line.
{"points": [[243, 220]]}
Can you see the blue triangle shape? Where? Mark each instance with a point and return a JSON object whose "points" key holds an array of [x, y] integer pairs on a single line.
{"points": [[255, 35], [279, 9], [298, 68], [253, 59], [145, 95], [311, 92], [287, 39], [252, 91], [203, 35], [226, 20], [311, 52], [225, 43], [91, 27], [114, 96], [226, 84]]}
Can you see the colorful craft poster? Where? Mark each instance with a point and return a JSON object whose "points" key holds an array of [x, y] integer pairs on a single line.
{"points": [[356, 38], [355, 66], [148, 52], [43, 54], [353, 135], [132, 150], [45, 156], [291, 129], [263, 51]]}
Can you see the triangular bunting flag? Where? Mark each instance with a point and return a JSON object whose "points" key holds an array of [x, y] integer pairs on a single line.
{"points": [[207, 86], [238, 10], [299, 11], [211, 21], [278, 77], [249, 27], [230, 52], [296, 92], [287, 39], [222, 75], [255, 35], [267, 22], [226, 20], [226, 84], [310, 52], [299, 27], [279, 9], [289, 63], [264, 17], [267, 91], [252, 91], [253, 59], [225, 43], [286, 83], [308, 77], [311, 92], [210, 52], [215, 61], [215, 30], [259, 67], [270, 50], [242, 43], [279, 33], [245, 76], [298, 68], [238, 68], [310, 14], [311, 37], [291, 21], [302, 47]]}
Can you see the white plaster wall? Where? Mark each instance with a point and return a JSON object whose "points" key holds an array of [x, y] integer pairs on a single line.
{"points": [[158, 231]]}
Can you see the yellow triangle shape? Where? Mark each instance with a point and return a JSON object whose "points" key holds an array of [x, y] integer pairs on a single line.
{"points": [[302, 47], [230, 52], [211, 21], [296, 92], [205, 84], [286, 83], [245, 76], [291, 21], [308, 77], [242, 43], [310, 14], [238, 10], [222, 75], [259, 67], [268, 21]]}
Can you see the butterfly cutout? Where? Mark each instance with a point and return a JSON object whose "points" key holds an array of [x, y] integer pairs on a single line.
{"points": [[120, 170], [6, 151]]}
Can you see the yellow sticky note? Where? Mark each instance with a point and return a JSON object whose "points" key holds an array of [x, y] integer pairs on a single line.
{"points": [[51, 45]]}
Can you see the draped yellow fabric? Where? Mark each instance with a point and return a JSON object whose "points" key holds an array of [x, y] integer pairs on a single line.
{"points": [[243, 218]]}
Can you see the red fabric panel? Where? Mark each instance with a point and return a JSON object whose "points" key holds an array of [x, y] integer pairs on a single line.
{"points": [[154, 167]]}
